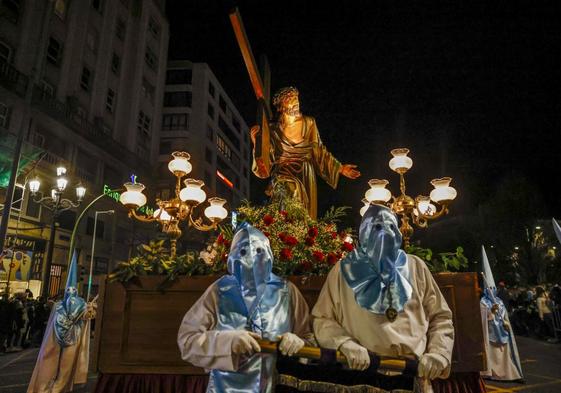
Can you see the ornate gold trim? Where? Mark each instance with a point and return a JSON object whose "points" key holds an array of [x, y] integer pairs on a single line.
{"points": [[328, 387]]}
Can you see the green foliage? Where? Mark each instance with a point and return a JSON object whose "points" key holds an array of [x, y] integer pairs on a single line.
{"points": [[443, 262], [153, 259]]}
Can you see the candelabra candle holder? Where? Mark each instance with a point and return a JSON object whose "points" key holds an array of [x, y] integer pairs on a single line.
{"points": [[181, 208], [417, 211]]}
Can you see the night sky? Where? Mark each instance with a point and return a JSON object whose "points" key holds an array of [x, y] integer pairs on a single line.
{"points": [[473, 90]]}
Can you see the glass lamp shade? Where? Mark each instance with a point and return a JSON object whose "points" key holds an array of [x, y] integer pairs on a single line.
{"points": [[216, 210], [133, 198], [193, 191], [378, 192], [442, 191], [54, 194], [180, 165], [34, 185], [162, 215], [365, 207], [60, 171], [80, 192], [61, 183], [400, 163], [425, 207]]}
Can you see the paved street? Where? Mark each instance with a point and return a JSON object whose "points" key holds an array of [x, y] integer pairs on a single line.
{"points": [[541, 364]]}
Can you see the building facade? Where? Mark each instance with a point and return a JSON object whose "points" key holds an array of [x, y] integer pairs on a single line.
{"points": [[199, 118], [84, 82]]}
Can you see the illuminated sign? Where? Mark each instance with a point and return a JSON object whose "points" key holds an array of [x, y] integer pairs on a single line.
{"points": [[224, 179], [116, 195]]}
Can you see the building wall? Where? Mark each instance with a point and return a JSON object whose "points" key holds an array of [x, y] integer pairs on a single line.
{"points": [[216, 138], [123, 45]]}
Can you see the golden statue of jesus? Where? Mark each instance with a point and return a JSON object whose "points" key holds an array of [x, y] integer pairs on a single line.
{"points": [[297, 153]]}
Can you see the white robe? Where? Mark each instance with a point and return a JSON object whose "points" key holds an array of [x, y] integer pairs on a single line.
{"points": [[73, 363], [205, 347], [425, 325], [500, 365]]}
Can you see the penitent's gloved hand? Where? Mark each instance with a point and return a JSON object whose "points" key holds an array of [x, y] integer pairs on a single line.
{"points": [[357, 356], [243, 342], [290, 344], [432, 365]]}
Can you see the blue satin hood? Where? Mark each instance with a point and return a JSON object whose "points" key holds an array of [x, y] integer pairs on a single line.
{"points": [[68, 318], [497, 333], [251, 298], [377, 270]]}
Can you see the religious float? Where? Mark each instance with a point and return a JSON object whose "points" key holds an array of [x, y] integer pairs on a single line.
{"points": [[142, 303]]}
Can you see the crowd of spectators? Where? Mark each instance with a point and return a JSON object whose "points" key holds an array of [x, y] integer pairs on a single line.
{"points": [[534, 310], [23, 320]]}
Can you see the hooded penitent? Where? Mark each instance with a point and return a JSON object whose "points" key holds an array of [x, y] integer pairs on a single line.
{"points": [[69, 312], [498, 333], [251, 298], [377, 270]]}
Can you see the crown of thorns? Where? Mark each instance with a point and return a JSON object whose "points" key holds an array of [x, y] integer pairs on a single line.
{"points": [[284, 94]]}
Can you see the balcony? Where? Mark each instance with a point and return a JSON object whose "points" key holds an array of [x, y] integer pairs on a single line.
{"points": [[12, 79], [96, 133]]}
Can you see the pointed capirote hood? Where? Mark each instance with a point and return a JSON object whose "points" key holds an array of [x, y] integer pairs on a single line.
{"points": [[557, 229], [72, 278], [489, 281]]}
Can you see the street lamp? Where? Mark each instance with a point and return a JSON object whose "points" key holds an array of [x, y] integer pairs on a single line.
{"points": [[56, 204], [172, 212], [419, 210], [93, 248]]}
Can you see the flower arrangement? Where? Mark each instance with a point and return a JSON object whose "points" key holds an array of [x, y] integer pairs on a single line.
{"points": [[300, 244]]}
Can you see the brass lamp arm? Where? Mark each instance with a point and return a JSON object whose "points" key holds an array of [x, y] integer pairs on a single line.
{"points": [[141, 218], [421, 219], [199, 225]]}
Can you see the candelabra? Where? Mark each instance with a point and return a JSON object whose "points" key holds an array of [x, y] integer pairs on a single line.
{"points": [[181, 207], [56, 204], [417, 210]]}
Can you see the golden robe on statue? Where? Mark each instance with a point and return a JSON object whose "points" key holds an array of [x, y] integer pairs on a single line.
{"points": [[293, 164]]}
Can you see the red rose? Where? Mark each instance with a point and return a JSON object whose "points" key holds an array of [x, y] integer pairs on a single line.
{"points": [[334, 235], [347, 246], [290, 241], [227, 242], [332, 258], [310, 241], [282, 236], [266, 233], [283, 213], [313, 232], [220, 239], [286, 254], [268, 219], [318, 256]]}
